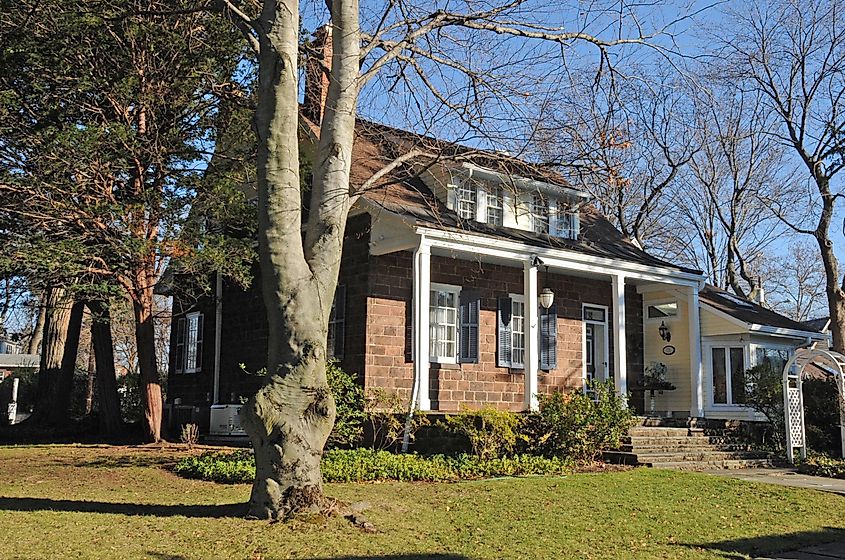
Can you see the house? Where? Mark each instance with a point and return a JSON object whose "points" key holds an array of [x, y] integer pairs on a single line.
{"points": [[484, 280]]}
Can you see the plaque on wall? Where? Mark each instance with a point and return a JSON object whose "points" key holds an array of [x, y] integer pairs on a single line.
{"points": [[668, 350]]}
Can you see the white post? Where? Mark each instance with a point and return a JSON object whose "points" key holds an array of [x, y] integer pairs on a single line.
{"points": [[620, 349], [696, 376], [422, 295], [532, 336], [13, 402]]}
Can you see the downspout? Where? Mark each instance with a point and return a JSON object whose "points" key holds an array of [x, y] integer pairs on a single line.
{"points": [[415, 391], [218, 336]]}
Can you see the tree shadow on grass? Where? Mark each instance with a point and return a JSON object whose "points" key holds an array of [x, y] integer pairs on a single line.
{"points": [[157, 510], [739, 549], [433, 556]]}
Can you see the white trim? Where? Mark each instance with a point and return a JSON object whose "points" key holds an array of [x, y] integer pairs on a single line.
{"points": [[456, 290], [422, 287], [584, 323], [522, 182], [532, 338], [557, 258], [763, 329], [696, 366], [519, 298], [707, 348], [662, 301]]}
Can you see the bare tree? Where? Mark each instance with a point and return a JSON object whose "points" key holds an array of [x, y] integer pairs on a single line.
{"points": [[795, 282], [290, 417], [794, 54]]}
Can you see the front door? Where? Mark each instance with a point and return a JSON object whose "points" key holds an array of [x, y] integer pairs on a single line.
{"points": [[595, 345]]}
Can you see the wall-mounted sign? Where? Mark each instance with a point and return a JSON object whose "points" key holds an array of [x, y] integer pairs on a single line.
{"points": [[668, 350]]}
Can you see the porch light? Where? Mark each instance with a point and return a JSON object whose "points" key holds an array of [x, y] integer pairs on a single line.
{"points": [[664, 332], [547, 297]]}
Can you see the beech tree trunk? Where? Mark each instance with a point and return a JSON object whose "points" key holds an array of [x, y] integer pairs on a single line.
{"points": [[150, 382], [110, 419], [38, 332], [64, 386], [56, 323]]}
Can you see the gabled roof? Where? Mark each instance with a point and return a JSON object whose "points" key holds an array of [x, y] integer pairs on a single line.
{"points": [[820, 324], [748, 311], [404, 193]]}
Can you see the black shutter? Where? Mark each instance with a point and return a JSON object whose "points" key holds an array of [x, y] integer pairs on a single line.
{"points": [[180, 346], [548, 338], [504, 332], [468, 342], [337, 322], [198, 365]]}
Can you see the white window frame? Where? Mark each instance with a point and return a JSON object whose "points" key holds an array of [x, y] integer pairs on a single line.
{"points": [[557, 212], [456, 290], [606, 324], [671, 318], [707, 351], [191, 319], [518, 298], [462, 187], [535, 218], [490, 195]]}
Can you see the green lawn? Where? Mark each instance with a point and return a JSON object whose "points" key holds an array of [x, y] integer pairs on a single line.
{"points": [[118, 502]]}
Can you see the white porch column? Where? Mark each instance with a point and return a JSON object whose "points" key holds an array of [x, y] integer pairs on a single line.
{"points": [[532, 336], [422, 295], [620, 350], [696, 374]]}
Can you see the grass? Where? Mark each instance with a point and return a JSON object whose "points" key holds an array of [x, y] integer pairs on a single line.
{"points": [[121, 502]]}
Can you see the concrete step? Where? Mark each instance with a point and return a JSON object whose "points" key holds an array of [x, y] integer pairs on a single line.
{"points": [[641, 431], [704, 440], [706, 465]]}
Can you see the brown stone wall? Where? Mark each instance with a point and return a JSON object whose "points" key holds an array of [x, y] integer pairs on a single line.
{"points": [[389, 316]]}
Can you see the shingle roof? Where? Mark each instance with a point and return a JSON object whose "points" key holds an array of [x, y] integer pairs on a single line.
{"points": [[748, 311], [403, 192], [817, 324]]}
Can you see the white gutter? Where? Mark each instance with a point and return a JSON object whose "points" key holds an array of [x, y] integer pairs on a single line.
{"points": [[415, 391], [218, 322]]}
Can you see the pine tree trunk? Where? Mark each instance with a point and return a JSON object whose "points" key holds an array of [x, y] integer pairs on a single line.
{"points": [[56, 323], [150, 382], [110, 419], [89, 382], [64, 386], [38, 332]]}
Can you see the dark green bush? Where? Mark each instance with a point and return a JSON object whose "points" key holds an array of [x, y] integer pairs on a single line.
{"points": [[349, 401], [491, 432], [579, 426], [368, 465]]}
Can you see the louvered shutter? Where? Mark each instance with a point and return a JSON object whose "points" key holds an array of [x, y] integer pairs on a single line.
{"points": [[180, 346], [548, 338], [504, 332], [470, 303]]}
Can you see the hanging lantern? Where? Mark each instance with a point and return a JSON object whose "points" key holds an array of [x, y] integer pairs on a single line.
{"points": [[664, 332]]}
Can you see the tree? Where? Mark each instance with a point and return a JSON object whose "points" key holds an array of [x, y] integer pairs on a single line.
{"points": [[291, 416], [795, 282], [108, 110], [794, 54]]}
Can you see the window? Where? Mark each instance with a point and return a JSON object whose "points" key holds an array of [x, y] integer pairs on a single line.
{"points": [[540, 212], [337, 324], [443, 324], [566, 222], [728, 369], [662, 310], [495, 206], [517, 332], [189, 343], [775, 358], [596, 314], [466, 198]]}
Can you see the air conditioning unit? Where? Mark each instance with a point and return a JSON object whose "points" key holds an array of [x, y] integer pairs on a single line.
{"points": [[225, 420]]}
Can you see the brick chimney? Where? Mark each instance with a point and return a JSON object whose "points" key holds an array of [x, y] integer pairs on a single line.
{"points": [[316, 74]]}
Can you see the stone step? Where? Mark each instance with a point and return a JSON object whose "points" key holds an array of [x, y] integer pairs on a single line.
{"points": [[641, 431], [702, 440], [649, 459], [680, 448], [706, 465]]}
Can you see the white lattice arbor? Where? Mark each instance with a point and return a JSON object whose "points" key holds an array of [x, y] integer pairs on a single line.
{"points": [[827, 361]]}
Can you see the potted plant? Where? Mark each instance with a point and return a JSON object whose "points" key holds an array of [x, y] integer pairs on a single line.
{"points": [[654, 380]]}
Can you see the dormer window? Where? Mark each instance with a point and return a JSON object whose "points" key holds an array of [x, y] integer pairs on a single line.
{"points": [[566, 221], [466, 198], [495, 206], [540, 213]]}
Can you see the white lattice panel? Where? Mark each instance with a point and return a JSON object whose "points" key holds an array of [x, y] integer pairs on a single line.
{"points": [[796, 418]]}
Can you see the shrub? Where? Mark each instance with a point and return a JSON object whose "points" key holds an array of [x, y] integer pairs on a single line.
{"points": [[369, 465], [822, 465], [190, 434], [491, 432], [387, 414], [349, 401], [579, 426], [764, 393]]}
